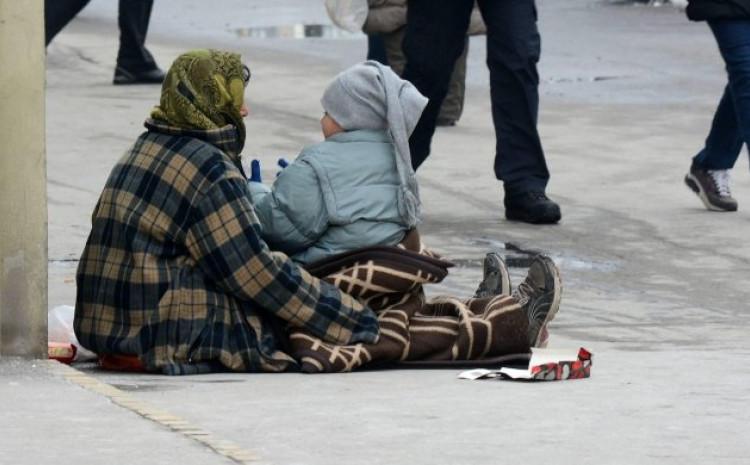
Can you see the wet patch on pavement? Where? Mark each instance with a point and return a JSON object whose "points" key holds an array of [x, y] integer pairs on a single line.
{"points": [[521, 256], [578, 79], [133, 387], [296, 31]]}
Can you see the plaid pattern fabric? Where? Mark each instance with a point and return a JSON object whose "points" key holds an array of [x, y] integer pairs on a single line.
{"points": [[175, 272], [411, 328]]}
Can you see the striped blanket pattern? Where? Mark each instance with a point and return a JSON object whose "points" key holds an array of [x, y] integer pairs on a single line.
{"points": [[412, 328]]}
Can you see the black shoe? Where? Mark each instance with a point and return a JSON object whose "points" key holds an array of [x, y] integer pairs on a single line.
{"points": [[531, 207], [496, 280], [152, 76], [445, 122], [712, 187], [539, 296]]}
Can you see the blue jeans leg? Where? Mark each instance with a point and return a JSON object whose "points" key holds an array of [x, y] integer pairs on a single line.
{"points": [[724, 142], [731, 124]]}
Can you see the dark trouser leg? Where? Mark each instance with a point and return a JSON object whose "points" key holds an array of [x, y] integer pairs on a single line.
{"points": [[376, 49], [58, 13], [133, 20], [731, 124], [453, 104], [513, 50], [724, 143], [435, 37]]}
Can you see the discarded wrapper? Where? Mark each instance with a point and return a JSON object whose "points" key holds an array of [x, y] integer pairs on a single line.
{"points": [[60, 334], [545, 365]]}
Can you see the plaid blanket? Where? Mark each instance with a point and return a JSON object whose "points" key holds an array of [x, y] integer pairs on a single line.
{"points": [[389, 280]]}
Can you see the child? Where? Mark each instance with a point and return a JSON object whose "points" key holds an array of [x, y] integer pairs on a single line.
{"points": [[357, 188]]}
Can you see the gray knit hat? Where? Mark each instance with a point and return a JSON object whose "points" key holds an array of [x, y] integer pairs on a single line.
{"points": [[371, 96]]}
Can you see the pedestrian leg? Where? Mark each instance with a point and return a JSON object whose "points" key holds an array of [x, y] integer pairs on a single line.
{"points": [[376, 48], [58, 13], [435, 36], [133, 19], [513, 50], [709, 172], [733, 38], [394, 51], [724, 142], [453, 104]]}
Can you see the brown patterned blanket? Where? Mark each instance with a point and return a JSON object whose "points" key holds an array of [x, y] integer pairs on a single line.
{"points": [[412, 328]]}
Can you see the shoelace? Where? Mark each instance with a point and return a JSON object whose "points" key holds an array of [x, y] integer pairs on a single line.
{"points": [[721, 182], [523, 291]]}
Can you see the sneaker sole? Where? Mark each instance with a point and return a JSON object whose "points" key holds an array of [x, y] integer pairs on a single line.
{"points": [[695, 186], [505, 286], [555, 304], [504, 276]]}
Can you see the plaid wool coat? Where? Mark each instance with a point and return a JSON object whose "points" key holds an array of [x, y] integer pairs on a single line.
{"points": [[175, 272]]}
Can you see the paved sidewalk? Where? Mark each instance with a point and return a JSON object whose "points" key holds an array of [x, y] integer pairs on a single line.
{"points": [[654, 285], [46, 420]]}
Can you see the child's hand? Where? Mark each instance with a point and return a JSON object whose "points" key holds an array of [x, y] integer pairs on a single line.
{"points": [[255, 171], [282, 164]]}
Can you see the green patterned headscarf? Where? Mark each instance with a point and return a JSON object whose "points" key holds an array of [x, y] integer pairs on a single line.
{"points": [[203, 89]]}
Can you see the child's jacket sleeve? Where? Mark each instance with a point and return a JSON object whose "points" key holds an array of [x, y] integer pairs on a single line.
{"points": [[292, 213]]}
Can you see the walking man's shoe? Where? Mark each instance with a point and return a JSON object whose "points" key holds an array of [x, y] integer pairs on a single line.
{"points": [[496, 280], [152, 76], [539, 295], [712, 186], [532, 207]]}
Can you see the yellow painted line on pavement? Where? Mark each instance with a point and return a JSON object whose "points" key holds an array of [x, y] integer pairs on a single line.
{"points": [[180, 426]]}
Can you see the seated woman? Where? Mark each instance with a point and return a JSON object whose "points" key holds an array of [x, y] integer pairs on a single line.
{"points": [[357, 189], [174, 271]]}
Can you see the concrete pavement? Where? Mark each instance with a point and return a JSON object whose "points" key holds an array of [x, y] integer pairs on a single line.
{"points": [[655, 286]]}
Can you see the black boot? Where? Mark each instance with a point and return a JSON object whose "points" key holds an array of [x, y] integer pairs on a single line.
{"points": [[152, 76], [531, 207]]}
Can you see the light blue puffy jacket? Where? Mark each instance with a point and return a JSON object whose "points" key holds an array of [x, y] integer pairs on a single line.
{"points": [[337, 196]]}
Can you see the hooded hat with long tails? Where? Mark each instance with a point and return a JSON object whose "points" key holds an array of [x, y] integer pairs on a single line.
{"points": [[371, 96]]}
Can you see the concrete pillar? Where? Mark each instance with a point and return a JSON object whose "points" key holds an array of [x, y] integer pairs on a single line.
{"points": [[23, 180]]}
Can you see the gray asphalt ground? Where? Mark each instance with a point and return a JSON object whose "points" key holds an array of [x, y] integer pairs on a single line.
{"points": [[654, 285]]}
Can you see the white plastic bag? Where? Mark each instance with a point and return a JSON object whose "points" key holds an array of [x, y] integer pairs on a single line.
{"points": [[347, 14], [60, 329]]}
